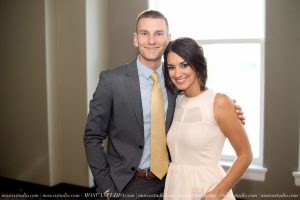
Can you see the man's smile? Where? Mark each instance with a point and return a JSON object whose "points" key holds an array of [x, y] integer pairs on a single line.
{"points": [[151, 48]]}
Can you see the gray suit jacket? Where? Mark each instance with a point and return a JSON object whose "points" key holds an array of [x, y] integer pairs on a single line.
{"points": [[116, 112]]}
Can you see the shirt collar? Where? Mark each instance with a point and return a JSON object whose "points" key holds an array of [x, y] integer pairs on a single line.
{"points": [[145, 71]]}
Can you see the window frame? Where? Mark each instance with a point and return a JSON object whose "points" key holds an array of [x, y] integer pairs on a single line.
{"points": [[261, 41]]}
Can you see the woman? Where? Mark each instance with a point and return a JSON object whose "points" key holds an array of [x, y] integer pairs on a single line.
{"points": [[203, 119]]}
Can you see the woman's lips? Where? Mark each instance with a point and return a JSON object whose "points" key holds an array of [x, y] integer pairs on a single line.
{"points": [[181, 80]]}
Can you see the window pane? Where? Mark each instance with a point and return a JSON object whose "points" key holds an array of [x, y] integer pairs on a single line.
{"points": [[235, 70], [212, 19]]}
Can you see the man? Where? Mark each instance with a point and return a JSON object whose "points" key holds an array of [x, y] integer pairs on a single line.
{"points": [[122, 110]]}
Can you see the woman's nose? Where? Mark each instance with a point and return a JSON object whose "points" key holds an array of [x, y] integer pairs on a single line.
{"points": [[178, 73]]}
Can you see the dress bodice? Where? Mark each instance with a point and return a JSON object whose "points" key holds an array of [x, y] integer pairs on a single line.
{"points": [[194, 138]]}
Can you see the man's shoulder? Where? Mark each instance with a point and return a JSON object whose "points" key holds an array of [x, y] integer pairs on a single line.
{"points": [[120, 70], [117, 71]]}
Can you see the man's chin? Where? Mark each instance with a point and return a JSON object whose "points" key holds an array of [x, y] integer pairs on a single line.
{"points": [[151, 58]]}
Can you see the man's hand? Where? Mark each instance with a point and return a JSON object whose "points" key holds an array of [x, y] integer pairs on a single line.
{"points": [[107, 197], [240, 113]]}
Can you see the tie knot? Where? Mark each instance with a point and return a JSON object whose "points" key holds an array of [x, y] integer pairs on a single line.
{"points": [[154, 77]]}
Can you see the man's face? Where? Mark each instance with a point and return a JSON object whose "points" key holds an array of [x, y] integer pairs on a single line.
{"points": [[151, 38]]}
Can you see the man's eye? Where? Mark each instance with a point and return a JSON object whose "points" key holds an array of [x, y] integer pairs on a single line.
{"points": [[159, 33], [144, 33]]}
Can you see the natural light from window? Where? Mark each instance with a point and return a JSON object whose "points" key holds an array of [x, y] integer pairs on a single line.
{"points": [[231, 33]]}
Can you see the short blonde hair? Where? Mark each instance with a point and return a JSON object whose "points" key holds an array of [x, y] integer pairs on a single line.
{"points": [[154, 14]]}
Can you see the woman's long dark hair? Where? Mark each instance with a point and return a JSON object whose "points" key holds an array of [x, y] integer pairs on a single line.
{"points": [[190, 51]]}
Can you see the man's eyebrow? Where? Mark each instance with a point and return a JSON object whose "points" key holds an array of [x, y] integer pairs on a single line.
{"points": [[148, 31], [143, 31]]}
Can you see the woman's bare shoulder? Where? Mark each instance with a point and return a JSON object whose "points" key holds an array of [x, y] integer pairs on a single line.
{"points": [[222, 100]]}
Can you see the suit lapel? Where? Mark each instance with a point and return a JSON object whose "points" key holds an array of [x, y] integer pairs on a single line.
{"points": [[171, 108], [133, 89]]}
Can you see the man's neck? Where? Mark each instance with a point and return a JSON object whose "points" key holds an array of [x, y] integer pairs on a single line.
{"points": [[151, 64]]}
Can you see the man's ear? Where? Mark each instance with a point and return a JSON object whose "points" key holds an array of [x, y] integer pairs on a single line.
{"points": [[169, 37], [135, 42]]}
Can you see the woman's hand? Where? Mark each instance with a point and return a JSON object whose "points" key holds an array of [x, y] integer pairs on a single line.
{"points": [[212, 195], [231, 127]]}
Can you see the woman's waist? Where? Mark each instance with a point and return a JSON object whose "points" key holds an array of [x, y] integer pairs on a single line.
{"points": [[192, 166], [203, 172]]}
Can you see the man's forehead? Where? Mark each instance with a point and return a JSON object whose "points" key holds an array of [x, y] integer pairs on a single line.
{"points": [[152, 24]]}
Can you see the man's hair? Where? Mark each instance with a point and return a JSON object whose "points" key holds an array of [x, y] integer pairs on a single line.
{"points": [[154, 14], [191, 52]]}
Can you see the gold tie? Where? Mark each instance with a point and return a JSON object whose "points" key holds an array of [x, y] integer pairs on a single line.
{"points": [[159, 159]]}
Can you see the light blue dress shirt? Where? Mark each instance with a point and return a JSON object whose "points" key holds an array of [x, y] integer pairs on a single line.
{"points": [[146, 85]]}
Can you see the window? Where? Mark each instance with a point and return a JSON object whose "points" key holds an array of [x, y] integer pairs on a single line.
{"points": [[232, 35]]}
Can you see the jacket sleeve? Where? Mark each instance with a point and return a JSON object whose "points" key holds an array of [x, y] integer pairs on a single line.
{"points": [[96, 130]]}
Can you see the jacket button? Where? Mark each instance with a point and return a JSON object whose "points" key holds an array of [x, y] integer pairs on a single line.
{"points": [[141, 147], [132, 168]]}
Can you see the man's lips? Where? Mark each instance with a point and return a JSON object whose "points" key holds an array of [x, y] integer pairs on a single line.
{"points": [[151, 48]]}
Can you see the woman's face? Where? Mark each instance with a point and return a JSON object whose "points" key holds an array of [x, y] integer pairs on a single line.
{"points": [[182, 75]]}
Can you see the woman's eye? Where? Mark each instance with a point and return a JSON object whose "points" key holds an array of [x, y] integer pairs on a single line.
{"points": [[184, 65], [170, 68]]}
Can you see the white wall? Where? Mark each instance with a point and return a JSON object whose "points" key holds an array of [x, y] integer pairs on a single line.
{"points": [[23, 131]]}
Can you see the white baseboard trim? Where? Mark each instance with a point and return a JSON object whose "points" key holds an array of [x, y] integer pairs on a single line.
{"points": [[297, 178], [253, 173]]}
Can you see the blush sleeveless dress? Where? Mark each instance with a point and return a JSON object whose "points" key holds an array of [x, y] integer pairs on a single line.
{"points": [[195, 142]]}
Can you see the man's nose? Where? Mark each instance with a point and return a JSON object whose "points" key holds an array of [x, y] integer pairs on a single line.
{"points": [[151, 39]]}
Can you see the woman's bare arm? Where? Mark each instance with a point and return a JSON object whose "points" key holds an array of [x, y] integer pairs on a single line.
{"points": [[232, 128]]}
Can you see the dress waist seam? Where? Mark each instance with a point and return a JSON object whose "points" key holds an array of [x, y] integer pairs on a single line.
{"points": [[189, 166]]}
